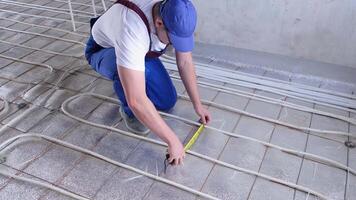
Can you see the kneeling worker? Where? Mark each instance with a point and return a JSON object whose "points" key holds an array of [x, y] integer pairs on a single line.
{"points": [[124, 46]]}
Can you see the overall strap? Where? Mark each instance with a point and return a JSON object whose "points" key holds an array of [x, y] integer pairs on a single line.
{"points": [[140, 13]]}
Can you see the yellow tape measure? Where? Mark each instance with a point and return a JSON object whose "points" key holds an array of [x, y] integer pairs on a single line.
{"points": [[187, 146], [194, 138]]}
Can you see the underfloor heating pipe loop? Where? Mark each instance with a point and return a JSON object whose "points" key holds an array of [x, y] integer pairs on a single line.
{"points": [[5, 145], [17, 119], [251, 172], [292, 185], [43, 184], [56, 85], [40, 81], [235, 135], [52, 88]]}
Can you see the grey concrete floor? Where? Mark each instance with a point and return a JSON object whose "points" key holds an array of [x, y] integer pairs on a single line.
{"points": [[96, 179]]}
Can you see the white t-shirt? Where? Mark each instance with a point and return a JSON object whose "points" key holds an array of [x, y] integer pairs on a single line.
{"points": [[123, 29]]}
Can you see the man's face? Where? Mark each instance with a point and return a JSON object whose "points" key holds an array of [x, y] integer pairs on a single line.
{"points": [[162, 34]]}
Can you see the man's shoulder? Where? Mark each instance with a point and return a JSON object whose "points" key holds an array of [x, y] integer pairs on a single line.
{"points": [[121, 25], [127, 18]]}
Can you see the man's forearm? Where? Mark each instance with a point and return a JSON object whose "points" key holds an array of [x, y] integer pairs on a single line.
{"points": [[145, 111], [187, 74]]}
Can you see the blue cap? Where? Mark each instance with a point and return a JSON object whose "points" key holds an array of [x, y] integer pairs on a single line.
{"points": [[179, 18]]}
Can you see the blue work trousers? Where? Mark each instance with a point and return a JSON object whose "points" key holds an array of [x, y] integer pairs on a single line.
{"points": [[159, 87]]}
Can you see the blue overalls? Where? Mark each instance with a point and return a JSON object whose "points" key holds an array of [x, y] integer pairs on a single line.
{"points": [[159, 87]]}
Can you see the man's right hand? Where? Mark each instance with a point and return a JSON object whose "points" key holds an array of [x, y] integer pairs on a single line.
{"points": [[176, 152]]}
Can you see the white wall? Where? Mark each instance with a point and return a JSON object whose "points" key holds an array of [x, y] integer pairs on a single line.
{"points": [[321, 30]]}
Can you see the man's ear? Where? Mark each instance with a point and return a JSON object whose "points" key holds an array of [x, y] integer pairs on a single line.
{"points": [[158, 22]]}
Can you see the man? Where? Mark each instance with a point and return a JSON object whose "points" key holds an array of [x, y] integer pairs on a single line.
{"points": [[124, 46]]}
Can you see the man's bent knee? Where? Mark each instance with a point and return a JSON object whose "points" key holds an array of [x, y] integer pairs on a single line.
{"points": [[168, 102]]}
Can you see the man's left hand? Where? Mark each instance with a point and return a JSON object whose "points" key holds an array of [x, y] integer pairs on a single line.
{"points": [[204, 114]]}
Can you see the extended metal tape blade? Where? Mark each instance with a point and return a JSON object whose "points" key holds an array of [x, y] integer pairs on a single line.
{"points": [[194, 138]]}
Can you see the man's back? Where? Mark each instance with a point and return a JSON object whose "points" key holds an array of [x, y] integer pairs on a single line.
{"points": [[123, 29]]}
